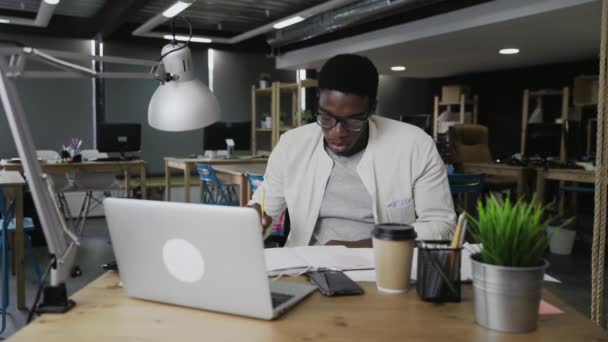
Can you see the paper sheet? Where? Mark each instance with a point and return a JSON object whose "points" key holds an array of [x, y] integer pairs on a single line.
{"points": [[358, 261], [546, 308]]}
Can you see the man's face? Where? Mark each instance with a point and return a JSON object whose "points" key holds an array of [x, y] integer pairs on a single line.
{"points": [[343, 106]]}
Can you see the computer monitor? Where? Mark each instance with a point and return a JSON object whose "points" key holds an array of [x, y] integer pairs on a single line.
{"points": [[214, 136], [543, 140], [119, 137], [420, 120], [575, 143]]}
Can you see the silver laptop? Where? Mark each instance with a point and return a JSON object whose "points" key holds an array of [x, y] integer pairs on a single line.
{"points": [[203, 256]]}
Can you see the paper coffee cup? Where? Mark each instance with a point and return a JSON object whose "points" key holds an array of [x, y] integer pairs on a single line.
{"points": [[393, 251]]}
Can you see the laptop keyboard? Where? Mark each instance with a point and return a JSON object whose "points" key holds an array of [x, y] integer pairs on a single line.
{"points": [[279, 298]]}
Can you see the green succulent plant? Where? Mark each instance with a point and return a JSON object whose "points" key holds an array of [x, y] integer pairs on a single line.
{"points": [[511, 234], [307, 116]]}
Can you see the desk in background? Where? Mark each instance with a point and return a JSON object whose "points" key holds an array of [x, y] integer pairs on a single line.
{"points": [[567, 175], [12, 184], [115, 167], [104, 313], [187, 165], [520, 174]]}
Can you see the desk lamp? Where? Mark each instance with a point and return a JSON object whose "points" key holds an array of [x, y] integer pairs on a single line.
{"points": [[180, 103]]}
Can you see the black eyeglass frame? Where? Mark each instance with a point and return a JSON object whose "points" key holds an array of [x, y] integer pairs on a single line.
{"points": [[343, 121]]}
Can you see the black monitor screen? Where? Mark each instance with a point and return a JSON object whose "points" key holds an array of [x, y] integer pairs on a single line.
{"points": [[575, 144], [422, 120], [543, 140], [117, 137], [214, 136]]}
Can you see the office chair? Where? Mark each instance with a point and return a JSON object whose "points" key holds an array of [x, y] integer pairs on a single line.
{"points": [[212, 191], [278, 230], [469, 144], [462, 185]]}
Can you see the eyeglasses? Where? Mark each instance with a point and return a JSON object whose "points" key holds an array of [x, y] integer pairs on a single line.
{"points": [[328, 121]]}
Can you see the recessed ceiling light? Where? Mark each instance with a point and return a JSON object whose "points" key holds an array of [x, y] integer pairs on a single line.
{"points": [[52, 2], [185, 39], [175, 9], [398, 68], [4, 21], [288, 22], [509, 51]]}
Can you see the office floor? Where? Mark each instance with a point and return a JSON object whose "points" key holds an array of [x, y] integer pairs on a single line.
{"points": [[574, 271]]}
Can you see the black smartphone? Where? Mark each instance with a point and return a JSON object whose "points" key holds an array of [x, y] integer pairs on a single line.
{"points": [[334, 283]]}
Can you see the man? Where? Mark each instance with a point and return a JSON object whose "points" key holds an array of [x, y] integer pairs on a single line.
{"points": [[351, 169]]}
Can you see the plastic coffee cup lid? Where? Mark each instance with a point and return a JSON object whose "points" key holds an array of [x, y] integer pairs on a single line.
{"points": [[394, 232]]}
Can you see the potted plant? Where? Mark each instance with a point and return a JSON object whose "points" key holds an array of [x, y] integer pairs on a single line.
{"points": [[264, 80], [282, 118], [307, 116], [267, 122], [561, 237], [508, 272]]}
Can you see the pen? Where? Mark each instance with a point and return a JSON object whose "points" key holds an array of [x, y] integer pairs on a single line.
{"points": [[262, 204]]}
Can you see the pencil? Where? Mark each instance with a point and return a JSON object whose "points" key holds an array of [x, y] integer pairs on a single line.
{"points": [[262, 204]]}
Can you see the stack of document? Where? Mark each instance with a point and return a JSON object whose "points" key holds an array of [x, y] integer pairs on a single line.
{"points": [[357, 263]]}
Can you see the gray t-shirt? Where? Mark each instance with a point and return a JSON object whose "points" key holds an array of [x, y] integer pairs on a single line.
{"points": [[346, 210]]}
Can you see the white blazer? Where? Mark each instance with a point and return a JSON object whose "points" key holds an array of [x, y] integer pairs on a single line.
{"points": [[400, 168]]}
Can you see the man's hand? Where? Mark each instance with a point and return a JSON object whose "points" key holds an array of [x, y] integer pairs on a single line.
{"points": [[265, 220], [351, 244]]}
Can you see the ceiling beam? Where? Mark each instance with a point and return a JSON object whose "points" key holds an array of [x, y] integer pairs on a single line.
{"points": [[112, 16]]}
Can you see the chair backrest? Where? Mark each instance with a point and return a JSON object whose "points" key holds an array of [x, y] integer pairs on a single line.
{"points": [[254, 180], [213, 191], [48, 155], [469, 143], [462, 183], [6, 213]]}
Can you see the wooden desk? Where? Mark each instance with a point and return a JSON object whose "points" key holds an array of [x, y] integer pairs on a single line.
{"points": [[12, 184], [519, 173], [568, 175], [104, 313], [187, 165], [125, 167], [236, 174]]}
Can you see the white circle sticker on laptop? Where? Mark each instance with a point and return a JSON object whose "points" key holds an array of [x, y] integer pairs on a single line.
{"points": [[183, 261]]}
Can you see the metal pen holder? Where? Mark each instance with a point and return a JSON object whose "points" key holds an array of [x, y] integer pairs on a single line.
{"points": [[438, 272]]}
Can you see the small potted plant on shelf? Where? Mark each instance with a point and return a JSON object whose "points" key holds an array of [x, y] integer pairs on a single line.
{"points": [[267, 121], [264, 80], [508, 272], [282, 119], [307, 116]]}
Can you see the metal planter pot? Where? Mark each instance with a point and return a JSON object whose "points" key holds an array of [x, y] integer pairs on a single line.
{"points": [[507, 298]]}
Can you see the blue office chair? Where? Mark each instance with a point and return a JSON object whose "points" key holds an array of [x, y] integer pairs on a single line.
{"points": [[8, 224], [461, 185], [214, 192], [254, 180]]}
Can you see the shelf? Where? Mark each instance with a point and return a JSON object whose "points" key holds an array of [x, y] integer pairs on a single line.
{"points": [[263, 129], [309, 83], [265, 91], [285, 128], [288, 86], [454, 103], [548, 92]]}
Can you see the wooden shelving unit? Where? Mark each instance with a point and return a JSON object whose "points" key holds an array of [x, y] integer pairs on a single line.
{"points": [[275, 92], [539, 95], [462, 104]]}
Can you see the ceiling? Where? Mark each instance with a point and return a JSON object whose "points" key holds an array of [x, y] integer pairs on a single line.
{"points": [[468, 40], [235, 16], [438, 38]]}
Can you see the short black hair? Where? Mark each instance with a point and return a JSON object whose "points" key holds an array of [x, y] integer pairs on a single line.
{"points": [[350, 73]]}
